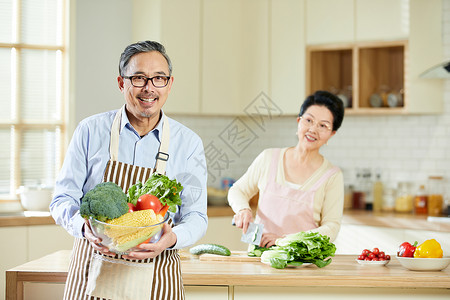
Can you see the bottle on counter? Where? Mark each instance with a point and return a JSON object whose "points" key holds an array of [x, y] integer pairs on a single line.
{"points": [[388, 199], [436, 195], [404, 200], [368, 189], [421, 201], [359, 197], [348, 196], [377, 193]]}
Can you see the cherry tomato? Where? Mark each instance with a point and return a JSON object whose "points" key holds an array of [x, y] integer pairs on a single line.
{"points": [[381, 259], [148, 201], [375, 251], [388, 257], [367, 259], [365, 252], [131, 207], [381, 254], [361, 257], [371, 255], [375, 259]]}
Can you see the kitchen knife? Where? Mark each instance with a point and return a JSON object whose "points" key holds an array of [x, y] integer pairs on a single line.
{"points": [[253, 234]]}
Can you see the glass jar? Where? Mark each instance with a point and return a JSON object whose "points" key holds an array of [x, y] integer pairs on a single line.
{"points": [[404, 200], [421, 201], [388, 199], [436, 195]]}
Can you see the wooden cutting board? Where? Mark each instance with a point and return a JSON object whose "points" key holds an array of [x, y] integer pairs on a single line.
{"points": [[235, 256]]}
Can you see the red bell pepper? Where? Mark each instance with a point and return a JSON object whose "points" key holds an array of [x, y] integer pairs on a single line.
{"points": [[406, 249]]}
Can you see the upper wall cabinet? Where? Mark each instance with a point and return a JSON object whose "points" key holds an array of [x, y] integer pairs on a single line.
{"points": [[287, 62], [378, 73], [235, 54], [381, 20], [181, 36], [329, 21]]}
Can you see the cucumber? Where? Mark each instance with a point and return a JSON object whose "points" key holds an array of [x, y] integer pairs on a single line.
{"points": [[211, 249]]}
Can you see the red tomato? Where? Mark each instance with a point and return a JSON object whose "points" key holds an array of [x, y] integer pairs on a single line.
{"points": [[388, 257], [381, 254], [367, 259], [148, 201], [361, 257], [371, 255], [375, 251], [131, 207], [365, 252]]}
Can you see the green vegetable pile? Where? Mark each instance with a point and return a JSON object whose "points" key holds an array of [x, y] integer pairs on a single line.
{"points": [[257, 251], [168, 191], [106, 201], [299, 248]]}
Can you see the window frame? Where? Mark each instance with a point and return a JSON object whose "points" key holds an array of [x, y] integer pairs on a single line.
{"points": [[16, 124]]}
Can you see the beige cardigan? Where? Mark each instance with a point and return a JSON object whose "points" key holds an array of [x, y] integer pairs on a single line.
{"points": [[328, 201]]}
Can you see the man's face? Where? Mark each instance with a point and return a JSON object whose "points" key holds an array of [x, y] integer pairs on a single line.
{"points": [[147, 101]]}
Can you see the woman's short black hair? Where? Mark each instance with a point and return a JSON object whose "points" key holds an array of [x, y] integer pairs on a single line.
{"points": [[330, 101]]}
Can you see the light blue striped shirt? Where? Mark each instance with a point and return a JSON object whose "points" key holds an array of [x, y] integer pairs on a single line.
{"points": [[88, 154]]}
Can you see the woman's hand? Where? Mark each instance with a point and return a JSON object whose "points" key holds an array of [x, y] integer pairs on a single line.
{"points": [[151, 250], [242, 218], [268, 239], [95, 241]]}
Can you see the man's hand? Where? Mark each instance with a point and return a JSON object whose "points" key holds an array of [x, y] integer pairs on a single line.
{"points": [[151, 250], [95, 241]]}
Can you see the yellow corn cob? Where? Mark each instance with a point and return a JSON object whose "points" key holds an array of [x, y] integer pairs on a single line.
{"points": [[121, 235]]}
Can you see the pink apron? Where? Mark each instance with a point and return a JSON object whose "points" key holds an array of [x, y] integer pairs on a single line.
{"points": [[284, 210]]}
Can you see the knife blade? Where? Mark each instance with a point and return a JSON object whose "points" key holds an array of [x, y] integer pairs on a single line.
{"points": [[253, 234]]}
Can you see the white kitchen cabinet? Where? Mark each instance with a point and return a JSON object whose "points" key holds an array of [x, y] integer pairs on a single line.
{"points": [[287, 44], [235, 68], [193, 292], [335, 293], [329, 21], [13, 251], [176, 24], [381, 20]]}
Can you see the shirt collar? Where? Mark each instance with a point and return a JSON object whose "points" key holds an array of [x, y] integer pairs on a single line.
{"points": [[157, 131]]}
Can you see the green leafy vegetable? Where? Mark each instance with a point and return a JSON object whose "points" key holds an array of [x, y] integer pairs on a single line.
{"points": [[167, 190], [257, 251], [299, 248], [106, 201]]}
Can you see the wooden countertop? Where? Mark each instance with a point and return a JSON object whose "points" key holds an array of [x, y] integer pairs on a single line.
{"points": [[352, 217], [343, 271]]}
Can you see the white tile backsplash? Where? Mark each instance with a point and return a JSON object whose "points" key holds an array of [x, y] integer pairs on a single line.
{"points": [[405, 148]]}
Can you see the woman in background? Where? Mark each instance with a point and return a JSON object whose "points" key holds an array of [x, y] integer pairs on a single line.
{"points": [[299, 189]]}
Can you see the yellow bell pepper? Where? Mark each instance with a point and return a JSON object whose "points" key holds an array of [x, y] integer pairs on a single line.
{"points": [[429, 249]]}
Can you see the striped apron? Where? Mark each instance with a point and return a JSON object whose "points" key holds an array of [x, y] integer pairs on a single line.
{"points": [[93, 275]]}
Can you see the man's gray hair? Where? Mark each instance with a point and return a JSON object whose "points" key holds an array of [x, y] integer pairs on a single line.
{"points": [[140, 47]]}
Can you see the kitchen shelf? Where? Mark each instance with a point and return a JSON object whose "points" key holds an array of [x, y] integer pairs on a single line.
{"points": [[357, 71]]}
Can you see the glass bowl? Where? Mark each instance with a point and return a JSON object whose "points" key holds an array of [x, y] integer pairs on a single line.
{"points": [[424, 264], [124, 239]]}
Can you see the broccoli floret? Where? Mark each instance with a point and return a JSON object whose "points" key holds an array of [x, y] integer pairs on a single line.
{"points": [[104, 202]]}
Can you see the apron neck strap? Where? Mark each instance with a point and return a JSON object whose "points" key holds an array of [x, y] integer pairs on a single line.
{"points": [[161, 157]]}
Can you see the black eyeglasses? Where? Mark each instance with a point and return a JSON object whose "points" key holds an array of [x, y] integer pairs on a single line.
{"points": [[141, 81]]}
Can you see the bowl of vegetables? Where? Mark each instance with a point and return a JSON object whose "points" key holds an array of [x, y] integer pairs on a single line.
{"points": [[427, 256], [124, 234], [124, 221]]}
